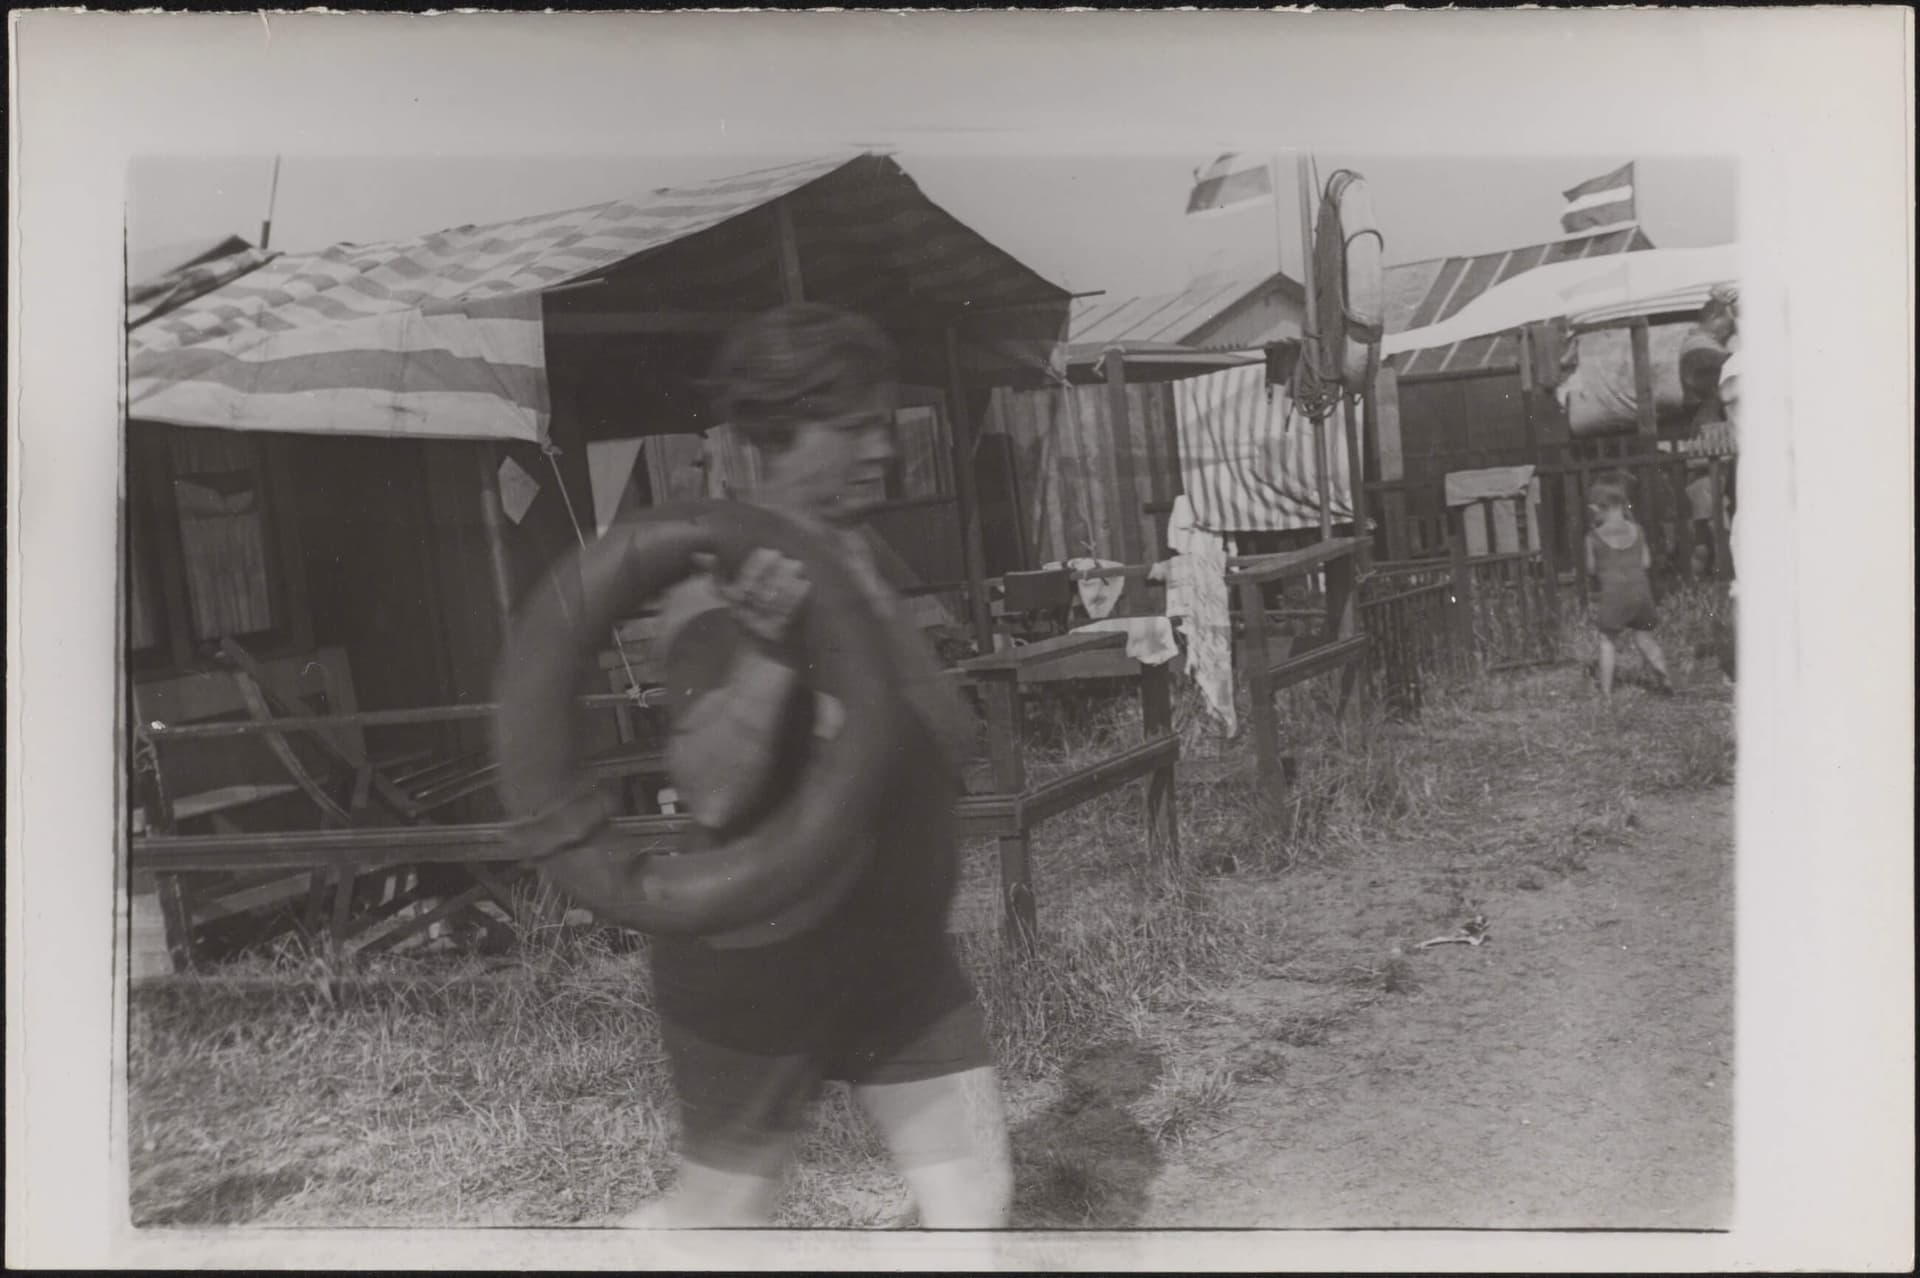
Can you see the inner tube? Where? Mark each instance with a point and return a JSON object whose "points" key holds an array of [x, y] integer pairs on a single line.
{"points": [[795, 866]]}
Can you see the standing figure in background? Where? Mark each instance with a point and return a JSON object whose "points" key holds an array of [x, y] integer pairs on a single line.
{"points": [[1617, 555], [1703, 351], [874, 995]]}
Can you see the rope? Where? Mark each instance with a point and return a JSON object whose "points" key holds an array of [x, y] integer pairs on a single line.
{"points": [[551, 451]]}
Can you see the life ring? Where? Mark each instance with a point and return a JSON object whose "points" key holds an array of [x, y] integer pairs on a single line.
{"points": [[798, 863], [1353, 313]]}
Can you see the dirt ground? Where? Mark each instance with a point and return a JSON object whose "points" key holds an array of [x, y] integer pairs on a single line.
{"points": [[1574, 1070]]}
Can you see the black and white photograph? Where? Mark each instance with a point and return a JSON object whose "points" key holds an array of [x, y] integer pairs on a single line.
{"points": [[951, 663]]}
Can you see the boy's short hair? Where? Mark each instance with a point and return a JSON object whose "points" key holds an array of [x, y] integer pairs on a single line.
{"points": [[1607, 494], [801, 362]]}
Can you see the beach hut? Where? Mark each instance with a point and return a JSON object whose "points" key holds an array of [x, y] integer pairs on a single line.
{"points": [[352, 463]]}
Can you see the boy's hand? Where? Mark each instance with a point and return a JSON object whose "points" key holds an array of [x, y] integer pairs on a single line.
{"points": [[765, 595]]}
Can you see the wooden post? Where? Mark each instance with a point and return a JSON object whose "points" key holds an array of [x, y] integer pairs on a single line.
{"points": [[176, 921], [1643, 381], [1550, 577], [1357, 481], [290, 587], [1343, 622], [1124, 473], [493, 520], [790, 279], [1723, 566], [1005, 728], [1266, 736], [972, 549], [1156, 720], [1462, 588], [1523, 570], [1528, 397]]}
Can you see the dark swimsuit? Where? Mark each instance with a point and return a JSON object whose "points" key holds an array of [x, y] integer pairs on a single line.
{"points": [[875, 994]]}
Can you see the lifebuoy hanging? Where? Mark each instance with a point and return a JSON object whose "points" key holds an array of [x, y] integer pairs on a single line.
{"points": [[1349, 282], [803, 858]]}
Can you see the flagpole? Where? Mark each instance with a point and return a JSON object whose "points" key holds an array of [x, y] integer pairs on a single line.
{"points": [[273, 194], [1307, 347]]}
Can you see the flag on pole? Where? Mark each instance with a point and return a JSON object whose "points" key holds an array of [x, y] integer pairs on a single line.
{"points": [[1229, 181], [1601, 201]]}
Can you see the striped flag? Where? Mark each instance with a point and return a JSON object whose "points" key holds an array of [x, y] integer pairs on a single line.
{"points": [[1229, 181], [1603, 201]]}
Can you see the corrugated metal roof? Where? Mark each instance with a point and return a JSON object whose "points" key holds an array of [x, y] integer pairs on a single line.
{"points": [[1166, 317], [1427, 292]]}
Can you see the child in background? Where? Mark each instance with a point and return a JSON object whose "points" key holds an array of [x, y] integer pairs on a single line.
{"points": [[1617, 555]]}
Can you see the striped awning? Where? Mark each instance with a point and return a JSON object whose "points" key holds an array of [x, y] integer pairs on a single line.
{"points": [[445, 336], [1248, 462], [1423, 294]]}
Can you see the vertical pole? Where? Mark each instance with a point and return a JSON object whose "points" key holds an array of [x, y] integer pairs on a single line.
{"points": [[1528, 386], [1156, 720], [1123, 459], [971, 548], [1310, 347], [493, 520], [273, 194], [1005, 714], [1255, 658], [1643, 381], [1356, 482], [1462, 588]]}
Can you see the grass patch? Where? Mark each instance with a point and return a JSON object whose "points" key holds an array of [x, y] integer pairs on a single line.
{"points": [[448, 1091]]}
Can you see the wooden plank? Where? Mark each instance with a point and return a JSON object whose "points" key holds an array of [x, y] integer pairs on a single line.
{"points": [[1041, 652], [386, 847], [1064, 793], [184, 731], [1291, 563], [1315, 661]]}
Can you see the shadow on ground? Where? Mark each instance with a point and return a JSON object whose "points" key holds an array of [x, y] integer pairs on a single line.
{"points": [[1086, 1161]]}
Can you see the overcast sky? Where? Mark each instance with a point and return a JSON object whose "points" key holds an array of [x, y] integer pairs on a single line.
{"points": [[1087, 221]]}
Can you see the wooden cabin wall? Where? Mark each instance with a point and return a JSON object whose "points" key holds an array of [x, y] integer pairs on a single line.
{"points": [[1464, 422], [1068, 454], [372, 583]]}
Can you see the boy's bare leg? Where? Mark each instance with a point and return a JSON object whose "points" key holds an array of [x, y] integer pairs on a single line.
{"points": [[948, 1137], [709, 1198], [1607, 659]]}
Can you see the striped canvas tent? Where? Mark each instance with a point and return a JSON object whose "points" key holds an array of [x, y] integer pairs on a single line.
{"points": [[446, 336], [1248, 462]]}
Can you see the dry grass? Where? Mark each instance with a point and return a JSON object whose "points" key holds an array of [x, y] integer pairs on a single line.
{"points": [[531, 1090]]}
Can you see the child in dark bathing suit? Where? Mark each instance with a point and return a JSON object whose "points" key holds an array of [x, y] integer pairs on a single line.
{"points": [[1617, 555]]}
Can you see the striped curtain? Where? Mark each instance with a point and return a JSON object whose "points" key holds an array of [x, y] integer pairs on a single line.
{"points": [[218, 492], [1248, 462]]}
